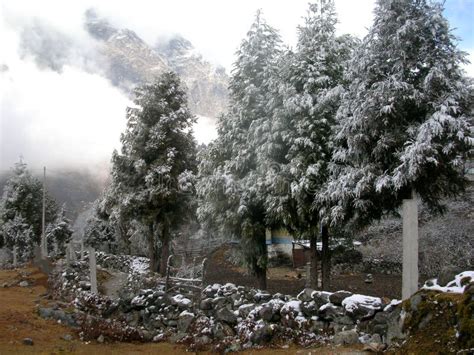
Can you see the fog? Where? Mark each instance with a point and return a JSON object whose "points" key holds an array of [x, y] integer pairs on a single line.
{"points": [[58, 109]]}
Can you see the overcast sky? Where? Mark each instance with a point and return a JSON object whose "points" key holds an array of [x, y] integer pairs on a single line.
{"points": [[76, 116]]}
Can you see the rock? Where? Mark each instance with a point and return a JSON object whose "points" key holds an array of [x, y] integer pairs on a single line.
{"points": [[330, 312], [227, 316], [262, 297], [67, 337], [447, 275], [219, 302], [266, 312], [374, 347], [24, 284], [245, 309], [206, 304], [306, 295], [28, 341], [415, 300], [348, 337], [184, 321], [395, 326], [45, 312], [262, 335], [321, 297], [337, 297], [100, 339], [309, 309], [369, 279], [222, 330]]}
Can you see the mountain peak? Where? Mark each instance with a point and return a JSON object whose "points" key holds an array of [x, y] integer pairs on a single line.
{"points": [[174, 46], [98, 27]]}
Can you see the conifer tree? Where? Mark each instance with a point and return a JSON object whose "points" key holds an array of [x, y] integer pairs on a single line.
{"points": [[404, 121], [22, 197], [154, 173], [310, 87], [231, 185]]}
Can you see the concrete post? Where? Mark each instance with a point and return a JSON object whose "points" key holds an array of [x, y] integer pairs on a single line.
{"points": [[82, 250], [15, 257], [410, 247], [93, 269]]}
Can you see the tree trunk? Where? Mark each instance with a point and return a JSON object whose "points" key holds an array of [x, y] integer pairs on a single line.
{"points": [[165, 247], [152, 248], [261, 274], [313, 259], [325, 258]]}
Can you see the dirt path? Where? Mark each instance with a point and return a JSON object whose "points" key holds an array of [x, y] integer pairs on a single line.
{"points": [[19, 320]]}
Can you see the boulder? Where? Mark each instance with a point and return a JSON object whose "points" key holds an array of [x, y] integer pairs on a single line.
{"points": [[184, 321], [226, 316], [206, 304], [262, 334], [337, 297], [448, 274], [245, 309], [306, 295], [28, 341], [347, 337]]}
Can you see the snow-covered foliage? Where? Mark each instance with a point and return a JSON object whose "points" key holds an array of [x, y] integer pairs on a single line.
{"points": [[59, 232], [23, 196], [404, 121], [18, 235], [231, 186], [458, 285], [152, 177], [306, 96]]}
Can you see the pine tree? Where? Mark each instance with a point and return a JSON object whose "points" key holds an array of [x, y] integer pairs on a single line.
{"points": [[404, 122], [59, 233], [23, 196], [310, 87], [18, 237], [231, 182], [154, 174]]}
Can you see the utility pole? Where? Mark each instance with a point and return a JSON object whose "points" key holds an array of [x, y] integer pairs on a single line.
{"points": [[44, 245]]}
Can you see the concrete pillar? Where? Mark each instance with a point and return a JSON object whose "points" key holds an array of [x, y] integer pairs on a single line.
{"points": [[410, 247], [93, 269], [15, 257]]}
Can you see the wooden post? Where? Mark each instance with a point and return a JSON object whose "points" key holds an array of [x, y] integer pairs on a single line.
{"points": [[93, 269], [410, 247]]}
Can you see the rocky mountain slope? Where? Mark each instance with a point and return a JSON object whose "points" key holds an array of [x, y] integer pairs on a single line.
{"points": [[132, 61]]}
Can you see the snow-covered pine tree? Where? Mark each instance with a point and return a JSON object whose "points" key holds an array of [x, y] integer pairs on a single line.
{"points": [[154, 174], [23, 196], [18, 237], [58, 233], [231, 184], [309, 89], [404, 122]]}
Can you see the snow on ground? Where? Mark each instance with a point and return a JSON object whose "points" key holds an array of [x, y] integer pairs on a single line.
{"points": [[454, 286], [355, 301], [139, 265]]}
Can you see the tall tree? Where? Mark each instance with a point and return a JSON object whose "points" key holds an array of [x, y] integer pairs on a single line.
{"points": [[154, 174], [23, 196], [404, 122], [309, 87], [18, 237], [231, 162], [59, 232]]}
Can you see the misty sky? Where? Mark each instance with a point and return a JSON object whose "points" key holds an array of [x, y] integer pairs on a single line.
{"points": [[75, 116]]}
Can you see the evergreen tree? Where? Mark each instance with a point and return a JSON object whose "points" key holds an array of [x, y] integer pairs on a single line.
{"points": [[231, 187], [18, 237], [154, 174], [308, 94], [23, 196], [59, 233], [404, 122]]}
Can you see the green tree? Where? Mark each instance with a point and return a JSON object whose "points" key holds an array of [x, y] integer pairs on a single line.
{"points": [[23, 196], [154, 173]]}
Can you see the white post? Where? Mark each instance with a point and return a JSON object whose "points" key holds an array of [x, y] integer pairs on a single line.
{"points": [[44, 243], [15, 257], [93, 269], [410, 247]]}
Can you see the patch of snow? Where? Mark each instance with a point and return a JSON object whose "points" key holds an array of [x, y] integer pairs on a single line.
{"points": [[453, 286], [353, 302]]}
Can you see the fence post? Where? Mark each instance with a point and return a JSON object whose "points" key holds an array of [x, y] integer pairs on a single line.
{"points": [[93, 269], [168, 271], [15, 257]]}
